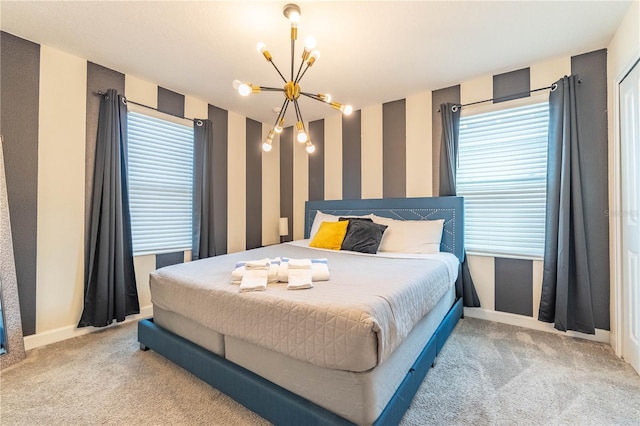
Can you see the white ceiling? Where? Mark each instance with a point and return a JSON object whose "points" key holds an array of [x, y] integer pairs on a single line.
{"points": [[372, 51]]}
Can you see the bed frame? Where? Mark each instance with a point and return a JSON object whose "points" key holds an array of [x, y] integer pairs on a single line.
{"points": [[281, 406]]}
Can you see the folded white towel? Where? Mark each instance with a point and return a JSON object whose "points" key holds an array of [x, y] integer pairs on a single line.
{"points": [[272, 276], [319, 270], [299, 263], [299, 278], [254, 280], [257, 264], [238, 273]]}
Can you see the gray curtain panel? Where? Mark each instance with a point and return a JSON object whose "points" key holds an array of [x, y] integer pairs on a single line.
{"points": [[448, 165], [110, 291], [203, 243], [566, 283]]}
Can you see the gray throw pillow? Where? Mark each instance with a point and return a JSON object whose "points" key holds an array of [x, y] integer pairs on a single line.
{"points": [[363, 236]]}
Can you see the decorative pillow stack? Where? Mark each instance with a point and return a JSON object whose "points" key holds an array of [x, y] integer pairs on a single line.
{"points": [[354, 233], [371, 233]]}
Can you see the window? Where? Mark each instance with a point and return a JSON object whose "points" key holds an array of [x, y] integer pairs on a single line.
{"points": [[502, 169], [160, 184]]}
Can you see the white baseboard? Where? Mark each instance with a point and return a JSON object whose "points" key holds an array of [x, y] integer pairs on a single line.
{"points": [[601, 336], [69, 332]]}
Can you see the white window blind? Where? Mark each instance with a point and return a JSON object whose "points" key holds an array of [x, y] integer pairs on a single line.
{"points": [[160, 184], [502, 167]]}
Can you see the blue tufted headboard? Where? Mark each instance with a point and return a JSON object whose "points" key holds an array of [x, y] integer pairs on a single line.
{"points": [[425, 208]]}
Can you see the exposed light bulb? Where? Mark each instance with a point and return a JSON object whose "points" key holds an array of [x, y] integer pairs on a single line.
{"points": [[310, 43], [327, 98], [266, 147], [262, 48], [236, 84], [244, 89], [346, 109], [294, 17], [302, 136], [310, 148], [315, 55], [278, 128]]}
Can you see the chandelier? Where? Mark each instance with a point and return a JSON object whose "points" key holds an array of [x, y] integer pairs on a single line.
{"points": [[291, 89]]}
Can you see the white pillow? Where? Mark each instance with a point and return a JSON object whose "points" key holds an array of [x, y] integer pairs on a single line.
{"points": [[410, 236], [326, 217]]}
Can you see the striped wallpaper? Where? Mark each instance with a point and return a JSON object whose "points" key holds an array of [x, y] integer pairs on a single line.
{"points": [[383, 150]]}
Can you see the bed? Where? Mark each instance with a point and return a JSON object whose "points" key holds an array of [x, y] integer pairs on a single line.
{"points": [[351, 350]]}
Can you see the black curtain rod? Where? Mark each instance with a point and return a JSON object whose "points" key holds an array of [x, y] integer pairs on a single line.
{"points": [[101, 93], [553, 87]]}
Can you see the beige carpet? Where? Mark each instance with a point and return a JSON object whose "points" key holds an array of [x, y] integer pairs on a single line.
{"points": [[487, 373]]}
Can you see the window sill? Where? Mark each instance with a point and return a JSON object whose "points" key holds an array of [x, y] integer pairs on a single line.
{"points": [[504, 256]]}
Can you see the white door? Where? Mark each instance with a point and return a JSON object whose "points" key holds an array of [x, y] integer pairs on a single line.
{"points": [[630, 179]]}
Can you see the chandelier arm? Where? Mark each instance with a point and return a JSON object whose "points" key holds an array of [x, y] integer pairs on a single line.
{"points": [[293, 48], [299, 113], [296, 109], [303, 73], [298, 75], [283, 110], [312, 96], [276, 67], [271, 89]]}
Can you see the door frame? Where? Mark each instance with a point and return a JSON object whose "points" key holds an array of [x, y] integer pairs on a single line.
{"points": [[614, 214]]}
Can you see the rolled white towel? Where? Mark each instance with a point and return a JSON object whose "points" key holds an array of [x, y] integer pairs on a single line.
{"points": [[237, 274], [272, 275], [319, 270]]}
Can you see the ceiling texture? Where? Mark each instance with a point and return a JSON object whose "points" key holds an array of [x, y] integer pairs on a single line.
{"points": [[371, 51]]}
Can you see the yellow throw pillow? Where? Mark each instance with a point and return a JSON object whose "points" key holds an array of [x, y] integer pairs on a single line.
{"points": [[330, 235]]}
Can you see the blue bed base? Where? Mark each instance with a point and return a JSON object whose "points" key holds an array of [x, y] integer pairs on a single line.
{"points": [[272, 402], [281, 406]]}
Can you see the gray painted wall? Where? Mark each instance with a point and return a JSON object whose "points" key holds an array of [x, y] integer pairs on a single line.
{"points": [[254, 184], [514, 286], [511, 85], [316, 161], [20, 82], [170, 102], [351, 156], [394, 149], [286, 178], [167, 259]]}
